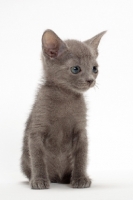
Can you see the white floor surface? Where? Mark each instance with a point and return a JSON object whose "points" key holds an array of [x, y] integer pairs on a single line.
{"points": [[109, 185]]}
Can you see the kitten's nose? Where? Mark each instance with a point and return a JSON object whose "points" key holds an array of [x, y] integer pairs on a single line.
{"points": [[90, 81]]}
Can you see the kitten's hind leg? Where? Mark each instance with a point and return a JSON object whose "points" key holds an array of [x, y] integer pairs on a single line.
{"points": [[25, 158], [25, 166]]}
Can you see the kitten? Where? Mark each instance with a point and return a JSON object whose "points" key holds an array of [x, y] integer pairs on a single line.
{"points": [[55, 139]]}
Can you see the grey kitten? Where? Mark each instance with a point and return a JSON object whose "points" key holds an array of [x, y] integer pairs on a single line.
{"points": [[55, 140]]}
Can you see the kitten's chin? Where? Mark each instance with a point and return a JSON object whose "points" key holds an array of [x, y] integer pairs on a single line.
{"points": [[76, 89], [83, 89]]}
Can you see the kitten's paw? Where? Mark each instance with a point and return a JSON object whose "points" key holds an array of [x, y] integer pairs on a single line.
{"points": [[40, 183], [82, 182]]}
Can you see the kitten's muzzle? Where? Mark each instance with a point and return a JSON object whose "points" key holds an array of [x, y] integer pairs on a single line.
{"points": [[90, 81]]}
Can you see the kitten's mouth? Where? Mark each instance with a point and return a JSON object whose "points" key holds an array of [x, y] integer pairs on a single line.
{"points": [[85, 86], [92, 84], [88, 85]]}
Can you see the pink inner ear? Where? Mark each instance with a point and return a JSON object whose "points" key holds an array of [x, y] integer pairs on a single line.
{"points": [[51, 44], [52, 53], [51, 48]]}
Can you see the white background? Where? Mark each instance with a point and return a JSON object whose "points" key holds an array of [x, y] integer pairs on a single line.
{"points": [[110, 126]]}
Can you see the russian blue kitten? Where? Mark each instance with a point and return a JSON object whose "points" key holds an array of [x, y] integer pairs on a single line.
{"points": [[55, 139]]}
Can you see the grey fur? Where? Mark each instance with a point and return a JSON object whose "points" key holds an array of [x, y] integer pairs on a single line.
{"points": [[55, 140]]}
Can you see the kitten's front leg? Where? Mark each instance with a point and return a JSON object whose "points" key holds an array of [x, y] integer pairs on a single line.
{"points": [[39, 174], [79, 177]]}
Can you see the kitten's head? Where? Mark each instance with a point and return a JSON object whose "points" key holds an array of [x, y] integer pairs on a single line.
{"points": [[70, 64]]}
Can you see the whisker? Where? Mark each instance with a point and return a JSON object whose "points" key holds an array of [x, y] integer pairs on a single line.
{"points": [[96, 86]]}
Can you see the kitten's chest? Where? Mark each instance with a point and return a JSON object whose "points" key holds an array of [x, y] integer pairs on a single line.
{"points": [[64, 118], [68, 111]]}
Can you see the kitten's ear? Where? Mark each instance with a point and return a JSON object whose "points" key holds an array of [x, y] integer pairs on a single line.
{"points": [[94, 42], [52, 45]]}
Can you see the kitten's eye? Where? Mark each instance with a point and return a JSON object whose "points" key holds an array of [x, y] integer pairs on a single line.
{"points": [[75, 69], [95, 70]]}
